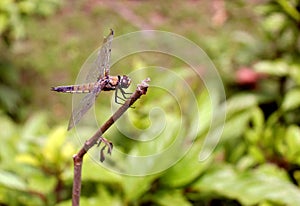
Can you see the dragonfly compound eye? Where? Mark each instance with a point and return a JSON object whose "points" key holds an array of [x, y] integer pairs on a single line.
{"points": [[125, 81]]}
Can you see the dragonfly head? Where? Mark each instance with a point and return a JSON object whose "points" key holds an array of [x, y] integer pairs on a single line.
{"points": [[125, 81]]}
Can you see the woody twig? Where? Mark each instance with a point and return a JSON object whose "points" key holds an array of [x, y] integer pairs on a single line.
{"points": [[78, 158]]}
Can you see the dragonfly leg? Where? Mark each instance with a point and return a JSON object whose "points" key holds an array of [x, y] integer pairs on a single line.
{"points": [[117, 97], [106, 143], [123, 94]]}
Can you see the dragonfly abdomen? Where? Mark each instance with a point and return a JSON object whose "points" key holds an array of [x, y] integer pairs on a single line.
{"points": [[82, 88]]}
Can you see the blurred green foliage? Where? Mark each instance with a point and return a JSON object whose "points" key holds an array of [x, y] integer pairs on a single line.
{"points": [[14, 13], [34, 167], [14, 16], [256, 161]]}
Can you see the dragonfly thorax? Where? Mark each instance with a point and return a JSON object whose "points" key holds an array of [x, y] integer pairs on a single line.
{"points": [[124, 81]]}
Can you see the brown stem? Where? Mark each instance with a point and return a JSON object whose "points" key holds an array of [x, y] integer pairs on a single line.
{"points": [[78, 158]]}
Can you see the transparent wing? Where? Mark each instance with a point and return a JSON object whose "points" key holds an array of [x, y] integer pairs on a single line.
{"points": [[84, 105], [97, 67], [100, 66]]}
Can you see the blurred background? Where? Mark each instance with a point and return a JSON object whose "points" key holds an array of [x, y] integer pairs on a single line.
{"points": [[255, 45]]}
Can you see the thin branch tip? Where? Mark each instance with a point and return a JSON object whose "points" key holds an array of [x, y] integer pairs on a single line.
{"points": [[143, 86]]}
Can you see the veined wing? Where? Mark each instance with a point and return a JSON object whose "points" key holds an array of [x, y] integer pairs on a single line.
{"points": [[101, 65], [84, 105], [97, 70]]}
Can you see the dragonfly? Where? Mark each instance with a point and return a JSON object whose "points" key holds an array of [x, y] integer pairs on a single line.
{"points": [[98, 79]]}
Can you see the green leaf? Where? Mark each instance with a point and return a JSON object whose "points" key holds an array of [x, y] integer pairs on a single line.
{"points": [[295, 73], [92, 171], [12, 181], [254, 133], [257, 118], [43, 183], [5, 4], [238, 115], [27, 159], [27, 7], [103, 197], [257, 154], [8, 129], [246, 161], [239, 103], [3, 22], [33, 127], [91, 201], [47, 8], [276, 68], [250, 187], [171, 198], [187, 169], [274, 23], [291, 100], [239, 122], [135, 187], [292, 139], [54, 145], [205, 109], [69, 202]]}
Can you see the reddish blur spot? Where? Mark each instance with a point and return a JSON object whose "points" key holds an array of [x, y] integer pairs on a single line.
{"points": [[246, 75]]}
